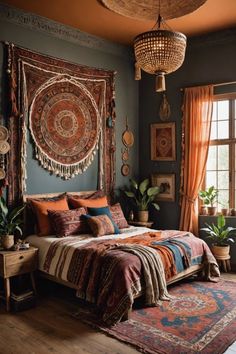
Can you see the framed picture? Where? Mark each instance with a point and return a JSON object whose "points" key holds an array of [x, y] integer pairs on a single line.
{"points": [[163, 142], [166, 182]]}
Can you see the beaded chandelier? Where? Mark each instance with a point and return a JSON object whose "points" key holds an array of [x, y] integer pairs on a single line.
{"points": [[159, 52]]}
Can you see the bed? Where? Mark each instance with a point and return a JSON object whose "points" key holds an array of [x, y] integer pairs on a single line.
{"points": [[111, 271]]}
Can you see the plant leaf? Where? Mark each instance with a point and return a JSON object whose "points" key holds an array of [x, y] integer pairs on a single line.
{"points": [[133, 183], [156, 206], [130, 194], [143, 186], [152, 191]]}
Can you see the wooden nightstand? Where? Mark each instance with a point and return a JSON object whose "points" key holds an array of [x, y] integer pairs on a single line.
{"points": [[141, 223], [16, 263]]}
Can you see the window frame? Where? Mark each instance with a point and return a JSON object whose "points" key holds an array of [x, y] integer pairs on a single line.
{"points": [[231, 142]]}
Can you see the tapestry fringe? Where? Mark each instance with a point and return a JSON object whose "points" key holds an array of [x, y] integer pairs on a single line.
{"points": [[64, 171]]}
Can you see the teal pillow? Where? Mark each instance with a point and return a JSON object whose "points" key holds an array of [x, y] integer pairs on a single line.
{"points": [[104, 211]]}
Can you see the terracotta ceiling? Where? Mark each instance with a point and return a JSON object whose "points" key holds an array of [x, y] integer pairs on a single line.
{"points": [[90, 16]]}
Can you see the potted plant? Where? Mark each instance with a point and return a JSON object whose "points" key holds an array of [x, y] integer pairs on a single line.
{"points": [[209, 197], [143, 196], [224, 209], [10, 222], [221, 235]]}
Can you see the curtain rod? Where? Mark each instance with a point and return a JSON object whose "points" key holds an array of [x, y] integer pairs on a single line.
{"points": [[220, 84]]}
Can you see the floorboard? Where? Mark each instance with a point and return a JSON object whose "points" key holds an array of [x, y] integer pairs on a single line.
{"points": [[51, 328]]}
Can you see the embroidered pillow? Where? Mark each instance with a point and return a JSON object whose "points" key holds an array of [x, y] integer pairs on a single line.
{"points": [[118, 216], [68, 222], [100, 225], [104, 211], [80, 202], [41, 210]]}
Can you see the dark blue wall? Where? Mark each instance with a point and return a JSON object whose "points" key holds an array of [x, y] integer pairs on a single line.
{"points": [[208, 59]]}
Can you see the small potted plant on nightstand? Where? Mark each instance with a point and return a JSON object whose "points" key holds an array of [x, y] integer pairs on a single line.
{"points": [[143, 196], [221, 235], [10, 222], [209, 197]]}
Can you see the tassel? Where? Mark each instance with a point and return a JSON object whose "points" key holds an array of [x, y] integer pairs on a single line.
{"points": [[137, 75], [160, 82]]}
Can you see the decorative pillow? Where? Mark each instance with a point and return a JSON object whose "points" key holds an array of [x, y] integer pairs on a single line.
{"points": [[104, 211], [95, 203], [100, 225], [30, 219], [41, 210], [68, 222], [118, 216]]}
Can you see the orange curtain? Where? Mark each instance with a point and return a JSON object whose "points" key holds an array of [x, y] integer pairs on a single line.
{"points": [[197, 113]]}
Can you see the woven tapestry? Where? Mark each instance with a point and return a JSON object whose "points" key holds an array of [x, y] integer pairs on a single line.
{"points": [[65, 106]]}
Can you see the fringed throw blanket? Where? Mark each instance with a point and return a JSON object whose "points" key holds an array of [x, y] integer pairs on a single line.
{"points": [[111, 273], [66, 106]]}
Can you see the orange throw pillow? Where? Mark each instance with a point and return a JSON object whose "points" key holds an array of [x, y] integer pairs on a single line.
{"points": [[41, 210], [88, 203]]}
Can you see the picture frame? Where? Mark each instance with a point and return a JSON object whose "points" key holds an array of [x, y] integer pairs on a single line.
{"points": [[166, 182], [163, 142]]}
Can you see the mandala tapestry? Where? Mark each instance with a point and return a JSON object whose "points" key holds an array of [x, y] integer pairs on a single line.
{"points": [[65, 106]]}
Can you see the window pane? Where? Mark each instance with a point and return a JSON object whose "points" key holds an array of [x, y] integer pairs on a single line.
{"points": [[210, 179], [211, 160], [223, 180], [223, 198], [223, 129], [214, 112], [223, 157], [223, 110], [213, 131]]}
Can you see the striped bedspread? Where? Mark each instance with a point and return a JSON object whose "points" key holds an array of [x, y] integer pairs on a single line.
{"points": [[111, 272]]}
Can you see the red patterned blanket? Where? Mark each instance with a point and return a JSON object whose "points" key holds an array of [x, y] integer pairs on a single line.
{"points": [[111, 273]]}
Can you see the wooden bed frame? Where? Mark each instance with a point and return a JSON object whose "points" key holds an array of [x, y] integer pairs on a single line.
{"points": [[192, 270]]}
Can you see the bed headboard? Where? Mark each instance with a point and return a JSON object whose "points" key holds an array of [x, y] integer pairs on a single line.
{"points": [[53, 195]]}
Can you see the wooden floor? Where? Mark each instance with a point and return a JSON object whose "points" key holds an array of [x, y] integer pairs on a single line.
{"points": [[51, 328]]}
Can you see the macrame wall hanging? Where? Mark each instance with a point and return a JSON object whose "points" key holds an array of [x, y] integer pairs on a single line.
{"points": [[66, 107]]}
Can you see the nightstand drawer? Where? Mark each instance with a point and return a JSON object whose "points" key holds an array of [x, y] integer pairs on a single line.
{"points": [[20, 263]]}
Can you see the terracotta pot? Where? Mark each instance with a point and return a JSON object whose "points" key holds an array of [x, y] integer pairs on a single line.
{"points": [[233, 212], [7, 241], [225, 211], [220, 252], [203, 210], [211, 210], [143, 215]]}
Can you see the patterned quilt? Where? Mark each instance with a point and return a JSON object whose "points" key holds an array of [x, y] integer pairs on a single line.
{"points": [[111, 272]]}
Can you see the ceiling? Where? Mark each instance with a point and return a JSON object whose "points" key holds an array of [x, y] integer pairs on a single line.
{"points": [[90, 16]]}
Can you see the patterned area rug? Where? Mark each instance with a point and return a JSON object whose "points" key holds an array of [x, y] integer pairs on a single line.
{"points": [[201, 318]]}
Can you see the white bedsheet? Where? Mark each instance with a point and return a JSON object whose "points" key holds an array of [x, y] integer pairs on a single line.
{"points": [[43, 242]]}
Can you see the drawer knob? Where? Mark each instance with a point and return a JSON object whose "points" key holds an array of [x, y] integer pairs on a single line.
{"points": [[21, 257]]}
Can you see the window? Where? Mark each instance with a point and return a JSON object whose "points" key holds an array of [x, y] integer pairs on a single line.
{"points": [[221, 166]]}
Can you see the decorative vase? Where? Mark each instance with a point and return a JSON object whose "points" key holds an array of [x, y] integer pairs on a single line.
{"points": [[143, 215], [220, 252], [211, 210], [7, 241]]}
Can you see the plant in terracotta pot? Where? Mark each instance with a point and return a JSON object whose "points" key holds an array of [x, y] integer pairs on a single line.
{"points": [[209, 197], [143, 196], [221, 235], [10, 222]]}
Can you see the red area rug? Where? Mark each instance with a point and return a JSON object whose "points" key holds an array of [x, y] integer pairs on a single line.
{"points": [[201, 318]]}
